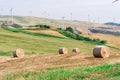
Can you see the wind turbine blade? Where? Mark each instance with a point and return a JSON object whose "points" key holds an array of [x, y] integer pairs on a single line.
{"points": [[115, 1]]}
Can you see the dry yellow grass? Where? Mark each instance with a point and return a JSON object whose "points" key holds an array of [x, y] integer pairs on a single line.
{"points": [[112, 40], [50, 32]]}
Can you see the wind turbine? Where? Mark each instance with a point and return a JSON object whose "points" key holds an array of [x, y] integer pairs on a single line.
{"points": [[71, 16], [89, 20], [115, 1], [11, 11]]}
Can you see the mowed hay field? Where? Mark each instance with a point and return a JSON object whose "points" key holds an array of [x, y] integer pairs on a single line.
{"points": [[103, 72], [49, 32], [113, 41], [61, 67], [44, 63]]}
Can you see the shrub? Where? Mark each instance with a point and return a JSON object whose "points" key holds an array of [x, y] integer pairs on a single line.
{"points": [[103, 41], [69, 29], [42, 26], [59, 28], [88, 39], [46, 26], [79, 37], [96, 40]]}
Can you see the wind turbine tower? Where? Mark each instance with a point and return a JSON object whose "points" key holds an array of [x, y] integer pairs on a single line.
{"points": [[11, 12]]}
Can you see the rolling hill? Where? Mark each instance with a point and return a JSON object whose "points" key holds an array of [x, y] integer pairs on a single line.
{"points": [[42, 60], [42, 44], [80, 26], [112, 24]]}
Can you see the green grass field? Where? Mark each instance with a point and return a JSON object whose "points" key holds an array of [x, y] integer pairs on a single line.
{"points": [[43, 44], [102, 72]]}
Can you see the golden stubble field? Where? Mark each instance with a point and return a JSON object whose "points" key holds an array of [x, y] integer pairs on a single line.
{"points": [[49, 32], [35, 63], [112, 40]]}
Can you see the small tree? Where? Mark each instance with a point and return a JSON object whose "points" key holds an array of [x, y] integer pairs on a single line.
{"points": [[69, 29], [103, 42], [88, 39], [59, 28]]}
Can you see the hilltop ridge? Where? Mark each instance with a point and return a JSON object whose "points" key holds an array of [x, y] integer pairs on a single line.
{"points": [[83, 27]]}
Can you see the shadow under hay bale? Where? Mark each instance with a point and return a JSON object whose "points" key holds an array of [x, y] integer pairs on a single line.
{"points": [[76, 50], [63, 50], [101, 52], [18, 53]]}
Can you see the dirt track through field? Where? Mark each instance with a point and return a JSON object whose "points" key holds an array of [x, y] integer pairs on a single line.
{"points": [[50, 61]]}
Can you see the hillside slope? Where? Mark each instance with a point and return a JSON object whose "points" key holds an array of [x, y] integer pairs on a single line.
{"points": [[81, 26], [36, 46], [28, 20], [42, 53], [113, 41], [10, 41], [49, 32]]}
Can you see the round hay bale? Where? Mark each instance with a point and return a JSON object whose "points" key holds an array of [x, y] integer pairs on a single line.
{"points": [[63, 50], [18, 53], [101, 52], [76, 50]]}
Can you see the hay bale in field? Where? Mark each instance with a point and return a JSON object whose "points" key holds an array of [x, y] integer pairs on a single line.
{"points": [[76, 50], [18, 53], [63, 50], [101, 52]]}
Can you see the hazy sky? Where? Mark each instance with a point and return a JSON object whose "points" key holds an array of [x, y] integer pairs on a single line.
{"points": [[83, 10]]}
